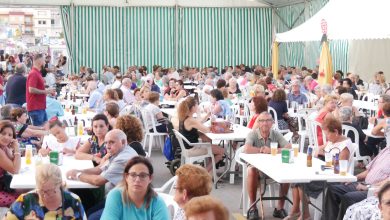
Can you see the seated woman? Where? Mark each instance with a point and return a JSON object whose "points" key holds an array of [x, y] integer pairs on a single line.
{"points": [[372, 208], [219, 107], [171, 89], [189, 127], [95, 148], [9, 162], [179, 91], [330, 105], [192, 181], [112, 112], [135, 198], [155, 112], [278, 102], [233, 88], [49, 199], [337, 144], [60, 142], [132, 127], [144, 94], [258, 105], [26, 134]]}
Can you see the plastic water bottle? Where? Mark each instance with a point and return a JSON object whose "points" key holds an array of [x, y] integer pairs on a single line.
{"points": [[161, 98]]}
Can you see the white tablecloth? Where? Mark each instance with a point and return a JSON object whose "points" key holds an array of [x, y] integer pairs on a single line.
{"points": [[26, 177]]}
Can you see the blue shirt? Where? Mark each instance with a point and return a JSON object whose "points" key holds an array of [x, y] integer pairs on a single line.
{"points": [[225, 109], [53, 108], [115, 209], [95, 99], [300, 98]]}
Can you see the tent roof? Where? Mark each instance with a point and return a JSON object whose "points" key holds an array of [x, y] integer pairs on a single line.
{"points": [[346, 19], [157, 3]]}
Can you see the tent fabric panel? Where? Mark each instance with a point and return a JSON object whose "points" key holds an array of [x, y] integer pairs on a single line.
{"points": [[123, 36], [224, 36]]}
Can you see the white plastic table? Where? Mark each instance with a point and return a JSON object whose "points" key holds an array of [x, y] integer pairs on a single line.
{"points": [[26, 177], [168, 102], [296, 172], [239, 134]]}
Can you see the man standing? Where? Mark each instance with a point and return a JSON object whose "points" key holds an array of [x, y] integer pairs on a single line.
{"points": [[16, 86], [36, 92], [259, 141]]}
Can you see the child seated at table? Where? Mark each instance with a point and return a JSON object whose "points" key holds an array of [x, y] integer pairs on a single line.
{"points": [[59, 140]]}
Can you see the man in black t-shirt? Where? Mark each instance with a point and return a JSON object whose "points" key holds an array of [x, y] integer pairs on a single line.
{"points": [[16, 86]]}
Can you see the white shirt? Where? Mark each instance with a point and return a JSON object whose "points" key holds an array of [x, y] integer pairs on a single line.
{"points": [[50, 80], [116, 84], [154, 110], [128, 96], [52, 143]]}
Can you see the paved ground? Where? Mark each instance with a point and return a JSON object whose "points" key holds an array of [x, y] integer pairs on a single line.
{"points": [[229, 194]]}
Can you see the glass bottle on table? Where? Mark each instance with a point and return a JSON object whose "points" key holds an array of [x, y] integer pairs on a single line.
{"points": [[309, 161], [336, 165], [28, 155]]}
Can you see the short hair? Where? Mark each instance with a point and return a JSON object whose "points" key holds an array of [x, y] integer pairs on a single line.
{"points": [[205, 204], [329, 98], [341, 89], [6, 112], [111, 93], [279, 95], [346, 97], [38, 56], [221, 83], [131, 126], [153, 97], [385, 187], [217, 94], [136, 90], [17, 112], [348, 80], [194, 179], [327, 89], [332, 124], [296, 82], [20, 68], [48, 172], [102, 117], [54, 123], [345, 113], [112, 109], [385, 98], [386, 109], [119, 134]]}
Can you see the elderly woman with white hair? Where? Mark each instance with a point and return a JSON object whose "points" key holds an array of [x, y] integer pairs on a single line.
{"points": [[233, 87], [345, 115], [346, 100], [49, 200]]}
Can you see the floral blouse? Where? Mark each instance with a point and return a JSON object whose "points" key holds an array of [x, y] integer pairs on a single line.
{"points": [[98, 151], [28, 206]]}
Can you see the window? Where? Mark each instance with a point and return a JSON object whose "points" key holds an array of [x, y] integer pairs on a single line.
{"points": [[43, 22], [39, 22], [52, 21]]}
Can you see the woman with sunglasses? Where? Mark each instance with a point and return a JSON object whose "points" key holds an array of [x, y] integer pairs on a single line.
{"points": [[49, 200], [135, 198]]}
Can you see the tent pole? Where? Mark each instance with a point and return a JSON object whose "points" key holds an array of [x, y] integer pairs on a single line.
{"points": [[176, 36]]}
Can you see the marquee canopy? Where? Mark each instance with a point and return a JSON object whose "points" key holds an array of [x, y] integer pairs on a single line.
{"points": [[346, 20]]}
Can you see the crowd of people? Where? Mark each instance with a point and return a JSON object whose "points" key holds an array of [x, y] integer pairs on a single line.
{"points": [[122, 173]]}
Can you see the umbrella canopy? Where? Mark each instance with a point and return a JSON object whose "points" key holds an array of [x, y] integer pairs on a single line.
{"points": [[325, 68], [275, 59]]}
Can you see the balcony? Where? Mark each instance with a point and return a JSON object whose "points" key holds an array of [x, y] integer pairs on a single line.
{"points": [[29, 32], [29, 23]]}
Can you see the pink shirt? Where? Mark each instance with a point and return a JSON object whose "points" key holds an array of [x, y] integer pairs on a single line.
{"points": [[378, 168], [313, 84]]}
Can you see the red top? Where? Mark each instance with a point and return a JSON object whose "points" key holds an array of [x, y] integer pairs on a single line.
{"points": [[320, 118], [35, 101], [252, 121]]}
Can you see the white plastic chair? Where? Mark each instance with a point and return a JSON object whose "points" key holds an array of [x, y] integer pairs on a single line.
{"points": [[346, 130], [168, 186], [186, 159], [150, 136], [272, 111], [171, 204]]}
